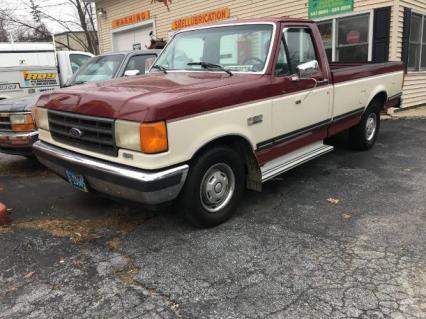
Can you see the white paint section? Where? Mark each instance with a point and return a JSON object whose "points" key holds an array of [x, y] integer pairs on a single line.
{"points": [[188, 135], [296, 111], [352, 95]]}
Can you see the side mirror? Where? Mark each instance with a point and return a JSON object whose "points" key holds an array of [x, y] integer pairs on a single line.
{"points": [[132, 72], [307, 69]]}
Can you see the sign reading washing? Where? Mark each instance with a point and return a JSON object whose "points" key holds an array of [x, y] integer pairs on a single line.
{"points": [[202, 18], [322, 8], [131, 19]]}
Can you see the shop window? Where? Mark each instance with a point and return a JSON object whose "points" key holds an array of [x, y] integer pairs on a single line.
{"points": [[417, 44], [346, 39]]}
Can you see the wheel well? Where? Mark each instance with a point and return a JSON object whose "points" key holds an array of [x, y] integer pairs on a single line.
{"points": [[243, 147], [382, 97]]}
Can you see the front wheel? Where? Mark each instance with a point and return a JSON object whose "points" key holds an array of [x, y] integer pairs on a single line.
{"points": [[214, 187], [364, 135]]}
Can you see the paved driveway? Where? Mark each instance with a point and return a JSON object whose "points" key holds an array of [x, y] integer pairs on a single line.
{"points": [[288, 253]]}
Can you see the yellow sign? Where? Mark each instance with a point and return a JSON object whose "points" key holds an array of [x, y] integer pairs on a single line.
{"points": [[28, 76], [202, 18], [131, 19]]}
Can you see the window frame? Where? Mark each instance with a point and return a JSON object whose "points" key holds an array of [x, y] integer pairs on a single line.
{"points": [[287, 52], [334, 19], [418, 68]]}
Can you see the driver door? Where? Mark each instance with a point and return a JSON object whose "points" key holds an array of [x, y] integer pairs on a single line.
{"points": [[303, 104]]}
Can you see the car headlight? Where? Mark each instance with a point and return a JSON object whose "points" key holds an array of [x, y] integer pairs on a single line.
{"points": [[149, 138], [22, 122], [41, 118]]}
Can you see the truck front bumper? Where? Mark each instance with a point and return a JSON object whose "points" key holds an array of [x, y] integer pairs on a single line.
{"points": [[118, 181], [17, 143]]}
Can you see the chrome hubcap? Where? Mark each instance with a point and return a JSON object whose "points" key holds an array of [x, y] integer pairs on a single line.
{"points": [[217, 187], [371, 126]]}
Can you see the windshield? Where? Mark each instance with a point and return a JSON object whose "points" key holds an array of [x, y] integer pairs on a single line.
{"points": [[100, 68], [241, 48]]}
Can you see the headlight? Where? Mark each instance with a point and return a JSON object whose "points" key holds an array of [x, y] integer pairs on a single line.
{"points": [[41, 118], [22, 122], [149, 138]]}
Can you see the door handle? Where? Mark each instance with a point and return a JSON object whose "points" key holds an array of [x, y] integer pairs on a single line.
{"points": [[323, 82]]}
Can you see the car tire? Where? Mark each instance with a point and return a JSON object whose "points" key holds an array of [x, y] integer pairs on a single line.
{"points": [[214, 187], [363, 136]]}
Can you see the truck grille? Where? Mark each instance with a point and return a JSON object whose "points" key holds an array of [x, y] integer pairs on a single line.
{"points": [[91, 133], [5, 122]]}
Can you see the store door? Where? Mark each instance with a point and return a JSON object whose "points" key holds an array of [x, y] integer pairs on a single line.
{"points": [[133, 39]]}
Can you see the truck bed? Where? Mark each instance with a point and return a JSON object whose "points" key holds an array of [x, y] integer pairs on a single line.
{"points": [[341, 72]]}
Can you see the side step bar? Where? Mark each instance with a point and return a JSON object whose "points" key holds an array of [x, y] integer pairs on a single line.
{"points": [[293, 159]]}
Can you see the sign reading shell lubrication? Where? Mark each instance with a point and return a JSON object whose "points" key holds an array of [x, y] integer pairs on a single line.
{"points": [[202, 18], [131, 19]]}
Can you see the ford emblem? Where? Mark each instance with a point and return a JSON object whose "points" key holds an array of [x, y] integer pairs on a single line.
{"points": [[75, 132]]}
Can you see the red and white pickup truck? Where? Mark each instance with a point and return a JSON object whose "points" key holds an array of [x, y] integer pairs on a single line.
{"points": [[224, 107]]}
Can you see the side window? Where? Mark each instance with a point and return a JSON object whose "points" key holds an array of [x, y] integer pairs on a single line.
{"points": [[77, 60], [138, 62], [300, 46], [282, 67]]}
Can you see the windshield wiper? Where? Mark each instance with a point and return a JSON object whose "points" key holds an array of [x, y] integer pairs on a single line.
{"points": [[207, 65], [159, 67]]}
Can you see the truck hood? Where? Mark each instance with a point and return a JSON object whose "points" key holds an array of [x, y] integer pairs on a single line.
{"points": [[21, 104], [155, 96]]}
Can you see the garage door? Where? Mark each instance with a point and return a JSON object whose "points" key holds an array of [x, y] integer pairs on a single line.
{"points": [[135, 38]]}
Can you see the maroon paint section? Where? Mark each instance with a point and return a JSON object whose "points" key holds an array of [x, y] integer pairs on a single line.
{"points": [[348, 71], [278, 150], [171, 96], [342, 125]]}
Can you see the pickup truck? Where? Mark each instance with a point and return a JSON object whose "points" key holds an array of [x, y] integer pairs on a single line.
{"points": [[224, 108], [17, 130]]}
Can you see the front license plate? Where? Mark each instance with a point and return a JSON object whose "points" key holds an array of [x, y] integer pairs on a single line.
{"points": [[77, 180]]}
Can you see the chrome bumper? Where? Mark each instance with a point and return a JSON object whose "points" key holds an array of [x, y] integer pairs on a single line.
{"points": [[148, 187], [17, 143]]}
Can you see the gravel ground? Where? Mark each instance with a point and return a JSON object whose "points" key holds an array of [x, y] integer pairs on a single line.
{"points": [[288, 253]]}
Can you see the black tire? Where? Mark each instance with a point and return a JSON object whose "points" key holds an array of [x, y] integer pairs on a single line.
{"points": [[363, 136], [195, 201]]}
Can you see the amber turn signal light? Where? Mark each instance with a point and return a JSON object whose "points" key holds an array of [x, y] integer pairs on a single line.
{"points": [[22, 123], [153, 137]]}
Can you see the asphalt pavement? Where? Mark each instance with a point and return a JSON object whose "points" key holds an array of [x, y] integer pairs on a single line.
{"points": [[343, 236]]}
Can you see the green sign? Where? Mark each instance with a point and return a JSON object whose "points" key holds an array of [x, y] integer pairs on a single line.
{"points": [[137, 46], [323, 8]]}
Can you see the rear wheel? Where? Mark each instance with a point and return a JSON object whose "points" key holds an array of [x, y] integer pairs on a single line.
{"points": [[214, 187], [364, 135]]}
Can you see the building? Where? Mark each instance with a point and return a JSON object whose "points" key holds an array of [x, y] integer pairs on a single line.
{"points": [[74, 41], [353, 30]]}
